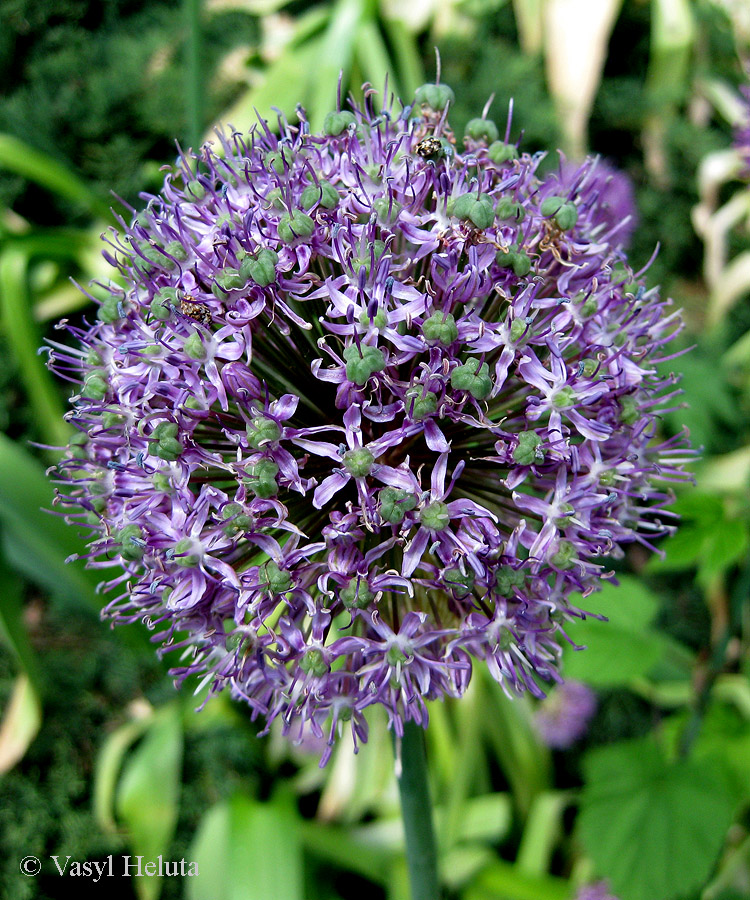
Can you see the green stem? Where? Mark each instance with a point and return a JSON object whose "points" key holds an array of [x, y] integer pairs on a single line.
{"points": [[194, 78], [416, 811]]}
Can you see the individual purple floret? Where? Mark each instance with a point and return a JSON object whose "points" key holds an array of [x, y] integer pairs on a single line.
{"points": [[597, 891], [563, 716], [372, 404]]}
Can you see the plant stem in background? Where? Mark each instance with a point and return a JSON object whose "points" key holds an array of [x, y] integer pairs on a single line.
{"points": [[193, 75], [416, 810]]}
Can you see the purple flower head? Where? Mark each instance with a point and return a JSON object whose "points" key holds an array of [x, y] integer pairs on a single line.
{"points": [[368, 409], [563, 716]]}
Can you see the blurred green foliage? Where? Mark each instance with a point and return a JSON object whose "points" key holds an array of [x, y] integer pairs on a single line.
{"points": [[120, 762]]}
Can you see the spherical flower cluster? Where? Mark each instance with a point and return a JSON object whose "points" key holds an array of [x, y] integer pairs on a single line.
{"points": [[373, 404]]}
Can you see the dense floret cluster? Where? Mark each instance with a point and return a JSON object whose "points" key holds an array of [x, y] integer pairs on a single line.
{"points": [[372, 404]]}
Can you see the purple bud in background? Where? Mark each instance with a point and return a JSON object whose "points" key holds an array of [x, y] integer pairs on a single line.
{"points": [[563, 717], [598, 891], [742, 132]]}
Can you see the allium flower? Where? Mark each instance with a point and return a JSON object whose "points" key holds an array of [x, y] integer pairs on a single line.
{"points": [[563, 716], [371, 407]]}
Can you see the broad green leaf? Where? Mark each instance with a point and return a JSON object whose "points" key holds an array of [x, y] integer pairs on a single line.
{"points": [[653, 829], [25, 340], [148, 794], [681, 551], [41, 541], [24, 160], [246, 850], [725, 544], [22, 718], [621, 649]]}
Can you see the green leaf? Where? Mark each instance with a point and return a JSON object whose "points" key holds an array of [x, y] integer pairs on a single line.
{"points": [[25, 340], [148, 794], [41, 541], [24, 160], [725, 544], [246, 850], [652, 828], [621, 649], [21, 721], [506, 881], [12, 628], [335, 59], [108, 768]]}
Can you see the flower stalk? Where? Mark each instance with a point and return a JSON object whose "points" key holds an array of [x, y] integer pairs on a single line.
{"points": [[416, 811]]}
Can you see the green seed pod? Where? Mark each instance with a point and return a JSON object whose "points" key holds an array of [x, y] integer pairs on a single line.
{"points": [[261, 268], [630, 413], [280, 159], [517, 329], [294, 226], [182, 556], [419, 403], [323, 194], [395, 504], [95, 386], [109, 311], [435, 516], [358, 462], [195, 189], [262, 432], [434, 96], [507, 578], [379, 321], [473, 378], [362, 362], [565, 555], [175, 249], [356, 595], [387, 210], [161, 482], [275, 198], [168, 448], [365, 262], [279, 580], [500, 152], [508, 209], [336, 122], [525, 454], [477, 210], [440, 328], [481, 130], [230, 279], [130, 547], [262, 480], [459, 584], [521, 263], [194, 347], [112, 420], [566, 217], [313, 663]]}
